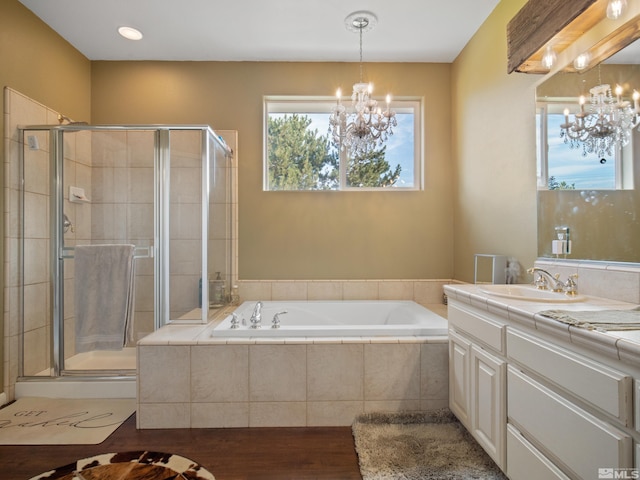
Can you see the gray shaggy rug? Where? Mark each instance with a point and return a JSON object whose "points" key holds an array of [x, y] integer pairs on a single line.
{"points": [[415, 446]]}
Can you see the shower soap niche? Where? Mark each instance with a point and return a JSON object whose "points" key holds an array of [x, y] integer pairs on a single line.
{"points": [[77, 195]]}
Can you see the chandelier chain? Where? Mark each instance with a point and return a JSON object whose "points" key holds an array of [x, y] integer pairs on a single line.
{"points": [[361, 28]]}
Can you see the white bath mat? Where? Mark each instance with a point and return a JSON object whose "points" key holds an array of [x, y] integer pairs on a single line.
{"points": [[59, 421]]}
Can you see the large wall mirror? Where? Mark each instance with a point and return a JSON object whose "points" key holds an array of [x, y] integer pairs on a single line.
{"points": [[595, 197]]}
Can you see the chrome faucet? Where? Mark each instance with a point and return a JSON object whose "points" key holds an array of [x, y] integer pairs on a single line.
{"points": [[542, 280], [570, 287], [256, 316], [276, 319]]}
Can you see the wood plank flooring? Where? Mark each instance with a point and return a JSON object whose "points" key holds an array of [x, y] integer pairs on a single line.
{"points": [[229, 454]]}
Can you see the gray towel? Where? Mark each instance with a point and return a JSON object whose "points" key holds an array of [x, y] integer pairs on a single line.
{"points": [[104, 296], [602, 320]]}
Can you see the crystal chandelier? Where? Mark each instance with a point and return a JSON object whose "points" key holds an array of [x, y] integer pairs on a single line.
{"points": [[606, 125], [366, 126]]}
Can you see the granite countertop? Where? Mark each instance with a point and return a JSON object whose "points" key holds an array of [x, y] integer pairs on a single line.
{"points": [[619, 345]]}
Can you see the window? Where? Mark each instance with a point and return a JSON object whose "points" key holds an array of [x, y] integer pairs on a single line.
{"points": [[561, 167], [298, 153]]}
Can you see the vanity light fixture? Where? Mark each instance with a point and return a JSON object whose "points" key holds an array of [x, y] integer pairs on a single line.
{"points": [[582, 61], [549, 58], [606, 125], [616, 8], [130, 33], [366, 126]]}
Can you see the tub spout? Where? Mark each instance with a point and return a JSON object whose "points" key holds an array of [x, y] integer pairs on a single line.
{"points": [[256, 316]]}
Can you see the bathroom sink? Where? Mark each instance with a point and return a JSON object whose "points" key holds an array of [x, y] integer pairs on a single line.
{"points": [[530, 294]]}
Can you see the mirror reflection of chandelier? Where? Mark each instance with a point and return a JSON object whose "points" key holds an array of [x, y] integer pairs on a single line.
{"points": [[366, 126], [606, 125]]}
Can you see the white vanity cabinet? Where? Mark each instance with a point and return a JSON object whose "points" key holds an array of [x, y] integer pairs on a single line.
{"points": [[543, 406], [477, 374]]}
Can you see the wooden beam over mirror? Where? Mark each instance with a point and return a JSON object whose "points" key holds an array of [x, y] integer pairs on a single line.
{"points": [[539, 21]]}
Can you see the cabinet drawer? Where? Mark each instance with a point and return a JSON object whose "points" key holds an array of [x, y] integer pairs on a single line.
{"points": [[570, 436], [524, 461], [483, 328], [607, 389]]}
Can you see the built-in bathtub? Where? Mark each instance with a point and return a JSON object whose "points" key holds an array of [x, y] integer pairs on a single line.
{"points": [[333, 319], [354, 357]]}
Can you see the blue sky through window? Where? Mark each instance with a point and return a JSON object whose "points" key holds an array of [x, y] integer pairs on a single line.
{"points": [[571, 166], [400, 145]]}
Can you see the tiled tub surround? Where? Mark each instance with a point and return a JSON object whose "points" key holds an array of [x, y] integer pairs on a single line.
{"points": [[187, 379], [425, 292]]}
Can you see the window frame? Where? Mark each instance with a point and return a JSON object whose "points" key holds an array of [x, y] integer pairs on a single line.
{"points": [[323, 104]]}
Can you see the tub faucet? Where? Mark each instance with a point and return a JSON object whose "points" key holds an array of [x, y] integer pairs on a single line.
{"points": [[276, 319], [256, 316], [542, 280]]}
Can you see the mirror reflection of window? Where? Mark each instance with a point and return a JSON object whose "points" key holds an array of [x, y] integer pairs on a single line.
{"points": [[561, 167]]}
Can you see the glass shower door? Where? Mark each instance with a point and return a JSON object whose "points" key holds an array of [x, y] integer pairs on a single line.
{"points": [[199, 239], [106, 211]]}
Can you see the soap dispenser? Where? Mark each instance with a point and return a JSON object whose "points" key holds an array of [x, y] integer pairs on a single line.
{"points": [[216, 292]]}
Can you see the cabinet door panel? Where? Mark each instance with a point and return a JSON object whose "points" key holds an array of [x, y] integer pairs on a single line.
{"points": [[488, 416], [459, 349]]}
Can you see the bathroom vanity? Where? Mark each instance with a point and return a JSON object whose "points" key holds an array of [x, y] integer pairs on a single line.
{"points": [[544, 399]]}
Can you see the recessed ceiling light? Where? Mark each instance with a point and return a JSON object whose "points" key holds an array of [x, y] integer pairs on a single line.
{"points": [[130, 33]]}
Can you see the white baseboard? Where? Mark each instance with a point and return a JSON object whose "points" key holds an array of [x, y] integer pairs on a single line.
{"points": [[3, 399]]}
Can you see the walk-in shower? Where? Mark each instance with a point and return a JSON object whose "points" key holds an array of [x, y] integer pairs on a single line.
{"points": [[163, 191]]}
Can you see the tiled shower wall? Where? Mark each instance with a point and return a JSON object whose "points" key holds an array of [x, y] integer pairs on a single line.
{"points": [[20, 110], [121, 190]]}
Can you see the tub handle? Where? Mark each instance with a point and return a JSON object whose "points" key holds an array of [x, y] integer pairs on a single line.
{"points": [[235, 322], [276, 319]]}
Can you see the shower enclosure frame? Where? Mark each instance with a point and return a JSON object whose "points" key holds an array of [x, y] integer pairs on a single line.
{"points": [[160, 250]]}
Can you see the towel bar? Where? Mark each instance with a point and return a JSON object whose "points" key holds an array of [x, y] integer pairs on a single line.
{"points": [[139, 252]]}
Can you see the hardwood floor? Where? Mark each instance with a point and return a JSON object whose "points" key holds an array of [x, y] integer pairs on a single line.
{"points": [[229, 454]]}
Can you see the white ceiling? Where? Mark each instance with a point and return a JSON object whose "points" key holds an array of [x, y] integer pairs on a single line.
{"points": [[265, 30]]}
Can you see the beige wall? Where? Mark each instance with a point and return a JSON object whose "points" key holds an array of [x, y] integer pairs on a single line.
{"points": [[493, 141], [35, 61], [303, 235]]}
